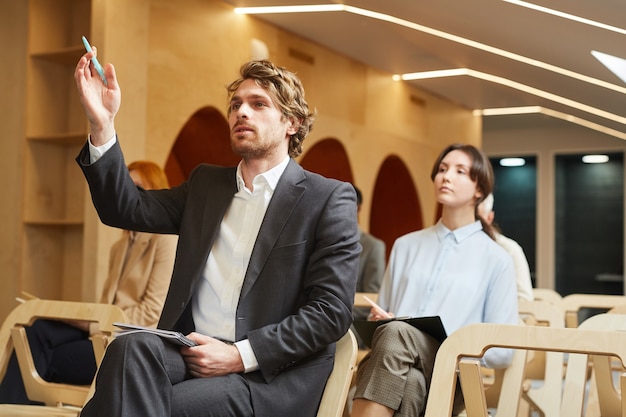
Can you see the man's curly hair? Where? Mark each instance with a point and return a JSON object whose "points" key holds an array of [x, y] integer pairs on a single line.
{"points": [[286, 91]]}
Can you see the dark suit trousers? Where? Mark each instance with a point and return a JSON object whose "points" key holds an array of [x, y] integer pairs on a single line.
{"points": [[143, 375], [62, 353]]}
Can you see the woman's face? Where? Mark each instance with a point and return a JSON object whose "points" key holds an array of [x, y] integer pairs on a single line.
{"points": [[453, 186]]}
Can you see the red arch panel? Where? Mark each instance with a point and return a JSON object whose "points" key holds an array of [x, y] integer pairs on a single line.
{"points": [[205, 138], [396, 208], [328, 157]]}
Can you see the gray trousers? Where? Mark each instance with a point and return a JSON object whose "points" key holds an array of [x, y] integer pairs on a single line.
{"points": [[397, 371], [143, 375]]}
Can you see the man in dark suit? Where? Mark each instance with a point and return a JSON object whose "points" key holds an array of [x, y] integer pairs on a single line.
{"points": [[266, 265]]}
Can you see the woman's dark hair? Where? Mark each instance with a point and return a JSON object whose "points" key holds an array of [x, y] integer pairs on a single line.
{"points": [[481, 171]]}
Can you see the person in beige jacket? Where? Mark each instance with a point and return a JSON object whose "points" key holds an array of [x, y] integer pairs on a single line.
{"points": [[140, 269]]}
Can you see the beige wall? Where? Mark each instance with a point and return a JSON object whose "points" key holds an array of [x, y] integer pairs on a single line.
{"points": [[545, 143], [172, 58]]}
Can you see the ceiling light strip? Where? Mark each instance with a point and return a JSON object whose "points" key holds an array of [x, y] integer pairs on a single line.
{"points": [[567, 16], [552, 113], [548, 96], [440, 34], [486, 48], [505, 111], [516, 85], [291, 9]]}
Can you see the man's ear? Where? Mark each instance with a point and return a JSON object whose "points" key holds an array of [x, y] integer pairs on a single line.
{"points": [[294, 125]]}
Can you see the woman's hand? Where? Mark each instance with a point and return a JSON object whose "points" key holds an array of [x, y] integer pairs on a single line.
{"points": [[379, 314]]}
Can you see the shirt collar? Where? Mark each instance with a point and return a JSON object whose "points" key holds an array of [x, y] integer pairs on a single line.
{"points": [[459, 234], [270, 177]]}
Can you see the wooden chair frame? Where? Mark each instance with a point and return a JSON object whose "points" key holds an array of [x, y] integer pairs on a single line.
{"points": [[336, 390], [573, 303], [473, 340], [61, 399], [603, 398]]}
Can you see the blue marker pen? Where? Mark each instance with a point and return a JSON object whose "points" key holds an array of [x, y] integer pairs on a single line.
{"points": [[96, 64]]}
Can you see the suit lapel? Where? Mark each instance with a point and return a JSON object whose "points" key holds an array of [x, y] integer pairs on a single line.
{"points": [[116, 265], [216, 204], [140, 243], [287, 194]]}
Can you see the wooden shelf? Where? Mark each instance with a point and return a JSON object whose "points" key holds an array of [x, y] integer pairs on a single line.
{"points": [[70, 138], [53, 223], [54, 192], [65, 56]]}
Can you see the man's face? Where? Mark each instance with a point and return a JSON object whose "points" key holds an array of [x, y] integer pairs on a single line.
{"points": [[258, 128]]}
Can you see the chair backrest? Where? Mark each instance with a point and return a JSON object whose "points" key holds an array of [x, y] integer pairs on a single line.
{"points": [[548, 295], [574, 303], [360, 301], [13, 336], [336, 390], [544, 366], [601, 387], [473, 340]]}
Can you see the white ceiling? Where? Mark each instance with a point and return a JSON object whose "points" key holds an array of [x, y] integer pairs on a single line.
{"points": [[524, 33]]}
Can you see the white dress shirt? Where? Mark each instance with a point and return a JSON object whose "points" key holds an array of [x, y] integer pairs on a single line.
{"points": [[217, 294], [215, 304]]}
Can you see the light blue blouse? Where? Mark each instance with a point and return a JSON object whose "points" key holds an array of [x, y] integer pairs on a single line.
{"points": [[463, 276]]}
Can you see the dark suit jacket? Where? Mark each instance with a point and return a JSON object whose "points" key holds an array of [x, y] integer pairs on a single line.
{"points": [[297, 293]]}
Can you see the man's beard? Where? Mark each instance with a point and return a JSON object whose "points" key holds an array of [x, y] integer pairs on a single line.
{"points": [[249, 150]]}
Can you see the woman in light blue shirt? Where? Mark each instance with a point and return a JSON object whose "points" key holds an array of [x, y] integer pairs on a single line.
{"points": [[454, 270]]}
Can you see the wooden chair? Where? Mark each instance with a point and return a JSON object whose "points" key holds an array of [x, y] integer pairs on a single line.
{"points": [[60, 399], [574, 303], [546, 367], [543, 366], [336, 390], [548, 295], [359, 301], [603, 397], [473, 340]]}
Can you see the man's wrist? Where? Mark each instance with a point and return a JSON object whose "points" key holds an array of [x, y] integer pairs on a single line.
{"points": [[248, 360], [100, 136]]}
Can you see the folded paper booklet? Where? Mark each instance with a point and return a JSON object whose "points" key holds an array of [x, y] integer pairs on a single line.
{"points": [[174, 337], [431, 325]]}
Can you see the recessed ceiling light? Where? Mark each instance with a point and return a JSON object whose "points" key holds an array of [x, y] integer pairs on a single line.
{"points": [[512, 162], [595, 159]]}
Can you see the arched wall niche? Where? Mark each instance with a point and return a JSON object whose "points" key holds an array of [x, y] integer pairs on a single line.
{"points": [[396, 208], [205, 138], [329, 158]]}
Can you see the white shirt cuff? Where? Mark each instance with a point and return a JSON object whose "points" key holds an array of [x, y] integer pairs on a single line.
{"points": [[96, 152], [247, 356]]}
